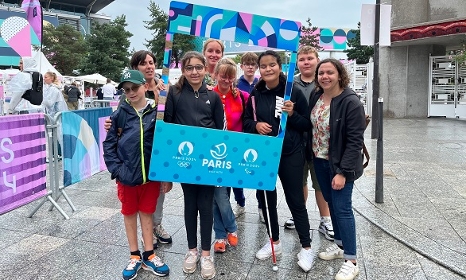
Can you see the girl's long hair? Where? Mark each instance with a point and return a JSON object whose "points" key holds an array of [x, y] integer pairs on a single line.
{"points": [[54, 77], [185, 61], [226, 66]]}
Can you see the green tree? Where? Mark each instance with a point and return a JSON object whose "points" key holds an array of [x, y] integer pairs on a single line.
{"points": [[108, 49], [355, 51], [237, 58], [308, 35], [64, 47], [158, 26]]}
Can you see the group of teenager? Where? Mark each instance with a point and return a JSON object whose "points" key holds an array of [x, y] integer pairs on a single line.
{"points": [[324, 136]]}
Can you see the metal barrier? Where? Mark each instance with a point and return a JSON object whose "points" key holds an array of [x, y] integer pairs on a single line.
{"points": [[53, 158], [23, 162]]}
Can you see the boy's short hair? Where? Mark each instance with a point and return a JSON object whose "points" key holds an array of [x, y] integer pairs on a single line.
{"points": [[308, 50], [132, 76], [249, 58]]}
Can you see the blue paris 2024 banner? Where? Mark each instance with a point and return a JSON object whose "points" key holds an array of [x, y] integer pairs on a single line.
{"points": [[215, 157], [205, 156]]}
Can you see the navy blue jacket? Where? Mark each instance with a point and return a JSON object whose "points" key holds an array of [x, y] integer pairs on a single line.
{"points": [[347, 125], [128, 156], [244, 85]]}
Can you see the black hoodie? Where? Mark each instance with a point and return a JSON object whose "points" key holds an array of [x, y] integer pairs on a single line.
{"points": [[202, 108], [268, 105], [347, 125]]}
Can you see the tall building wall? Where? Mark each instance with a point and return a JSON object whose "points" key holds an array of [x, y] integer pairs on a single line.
{"points": [[404, 72]]}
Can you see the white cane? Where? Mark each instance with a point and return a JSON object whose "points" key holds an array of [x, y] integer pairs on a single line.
{"points": [[274, 258]]}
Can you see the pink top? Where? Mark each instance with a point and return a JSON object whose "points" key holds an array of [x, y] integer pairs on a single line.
{"points": [[233, 107]]}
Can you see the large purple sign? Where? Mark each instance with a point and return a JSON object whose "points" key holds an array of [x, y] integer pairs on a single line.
{"points": [[22, 160]]}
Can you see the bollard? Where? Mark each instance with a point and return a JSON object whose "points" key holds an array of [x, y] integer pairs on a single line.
{"points": [[379, 160]]}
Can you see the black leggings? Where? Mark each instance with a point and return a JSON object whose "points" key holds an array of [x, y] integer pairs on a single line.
{"points": [[198, 198], [290, 172]]}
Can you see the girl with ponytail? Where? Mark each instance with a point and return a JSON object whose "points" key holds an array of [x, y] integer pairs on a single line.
{"points": [[233, 101]]}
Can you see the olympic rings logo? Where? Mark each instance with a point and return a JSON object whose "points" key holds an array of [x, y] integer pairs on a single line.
{"points": [[183, 164]]}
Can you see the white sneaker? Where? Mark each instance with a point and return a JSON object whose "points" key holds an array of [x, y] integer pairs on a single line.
{"points": [[348, 271], [306, 259], [238, 211], [207, 267], [326, 228], [331, 253], [190, 261], [266, 251], [261, 216], [289, 224]]}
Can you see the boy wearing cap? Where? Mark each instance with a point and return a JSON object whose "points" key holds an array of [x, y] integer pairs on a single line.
{"points": [[127, 150]]}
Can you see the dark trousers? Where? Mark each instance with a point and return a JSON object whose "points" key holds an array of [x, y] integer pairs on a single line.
{"points": [[290, 172], [198, 199], [239, 196]]}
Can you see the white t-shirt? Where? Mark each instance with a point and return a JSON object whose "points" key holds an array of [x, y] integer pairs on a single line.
{"points": [[108, 90]]}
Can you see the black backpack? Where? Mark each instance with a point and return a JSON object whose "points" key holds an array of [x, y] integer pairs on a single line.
{"points": [[35, 94]]}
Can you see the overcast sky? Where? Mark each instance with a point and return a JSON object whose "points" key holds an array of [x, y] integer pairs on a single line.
{"points": [[323, 13]]}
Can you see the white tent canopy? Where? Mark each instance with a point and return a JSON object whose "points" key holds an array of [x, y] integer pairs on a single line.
{"points": [[95, 78], [44, 65]]}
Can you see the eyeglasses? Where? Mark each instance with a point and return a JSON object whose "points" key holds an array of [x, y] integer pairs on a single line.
{"points": [[227, 79], [249, 65], [129, 89], [190, 68]]}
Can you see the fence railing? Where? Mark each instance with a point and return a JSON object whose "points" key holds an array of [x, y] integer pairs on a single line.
{"points": [[30, 147]]}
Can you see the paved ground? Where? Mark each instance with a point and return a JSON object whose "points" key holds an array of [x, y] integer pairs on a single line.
{"points": [[419, 231]]}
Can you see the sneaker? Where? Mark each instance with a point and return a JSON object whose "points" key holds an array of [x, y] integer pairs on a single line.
{"points": [[131, 271], [190, 261], [331, 253], [289, 224], [232, 238], [220, 246], [162, 235], [326, 228], [207, 267], [239, 210], [348, 271], [156, 266], [261, 216], [306, 259], [266, 251], [154, 238]]}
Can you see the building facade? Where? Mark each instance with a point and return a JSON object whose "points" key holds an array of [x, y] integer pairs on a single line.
{"points": [[420, 31]]}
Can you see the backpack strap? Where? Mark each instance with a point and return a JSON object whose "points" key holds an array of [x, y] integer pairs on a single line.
{"points": [[364, 148], [121, 122], [176, 98], [253, 102]]}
